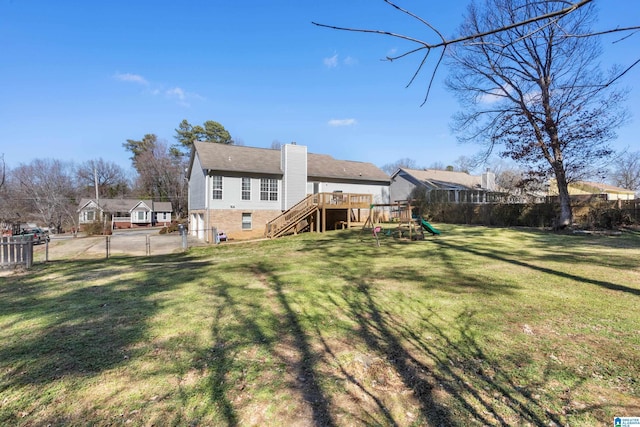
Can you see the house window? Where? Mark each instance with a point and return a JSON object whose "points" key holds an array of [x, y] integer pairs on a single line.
{"points": [[246, 221], [268, 189], [246, 188], [141, 215], [90, 215], [217, 187]]}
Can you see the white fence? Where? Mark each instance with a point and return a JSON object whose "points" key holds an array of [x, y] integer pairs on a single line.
{"points": [[16, 251]]}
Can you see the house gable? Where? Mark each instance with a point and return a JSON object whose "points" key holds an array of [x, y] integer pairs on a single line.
{"points": [[404, 180], [142, 206], [88, 204]]}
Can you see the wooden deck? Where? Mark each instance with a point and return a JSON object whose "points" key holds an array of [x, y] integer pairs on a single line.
{"points": [[312, 211]]}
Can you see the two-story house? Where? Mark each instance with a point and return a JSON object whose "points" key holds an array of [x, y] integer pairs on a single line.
{"points": [[242, 190]]}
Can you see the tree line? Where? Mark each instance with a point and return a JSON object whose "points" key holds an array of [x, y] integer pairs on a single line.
{"points": [[48, 191]]}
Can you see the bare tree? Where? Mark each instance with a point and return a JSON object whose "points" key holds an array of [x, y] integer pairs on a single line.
{"points": [[46, 192], [525, 74], [161, 173], [466, 164], [406, 162], [535, 93], [3, 172], [438, 165], [111, 179], [6, 206], [626, 173]]}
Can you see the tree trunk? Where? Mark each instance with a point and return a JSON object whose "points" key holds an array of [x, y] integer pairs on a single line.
{"points": [[565, 218]]}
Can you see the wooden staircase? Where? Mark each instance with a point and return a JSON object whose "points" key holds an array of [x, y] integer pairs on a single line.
{"points": [[292, 217], [316, 204]]}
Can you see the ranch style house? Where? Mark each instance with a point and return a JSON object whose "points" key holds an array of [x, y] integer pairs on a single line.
{"points": [[125, 213], [456, 187]]}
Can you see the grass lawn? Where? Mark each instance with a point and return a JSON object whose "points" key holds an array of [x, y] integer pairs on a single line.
{"points": [[478, 326]]}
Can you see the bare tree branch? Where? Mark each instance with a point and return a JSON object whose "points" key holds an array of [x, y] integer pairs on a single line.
{"points": [[4, 172], [444, 43], [552, 18]]}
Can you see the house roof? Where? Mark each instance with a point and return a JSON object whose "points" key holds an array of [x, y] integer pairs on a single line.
{"points": [[126, 205], [600, 187], [442, 178], [325, 166], [162, 207], [233, 158]]}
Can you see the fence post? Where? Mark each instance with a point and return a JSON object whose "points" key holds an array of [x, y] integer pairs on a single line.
{"points": [[107, 245], [28, 256], [183, 233], [148, 242]]}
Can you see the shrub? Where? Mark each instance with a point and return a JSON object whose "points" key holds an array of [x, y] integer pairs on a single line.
{"points": [[94, 228]]}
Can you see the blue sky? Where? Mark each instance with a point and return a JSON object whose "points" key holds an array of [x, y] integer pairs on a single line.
{"points": [[79, 78]]}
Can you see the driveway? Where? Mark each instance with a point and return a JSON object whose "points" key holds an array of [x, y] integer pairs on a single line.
{"points": [[135, 242]]}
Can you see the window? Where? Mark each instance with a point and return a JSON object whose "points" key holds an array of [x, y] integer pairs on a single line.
{"points": [[246, 188], [141, 215], [246, 221], [268, 189], [217, 187], [90, 215]]}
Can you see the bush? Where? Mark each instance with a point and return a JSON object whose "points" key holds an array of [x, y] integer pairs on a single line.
{"points": [[94, 228], [606, 217]]}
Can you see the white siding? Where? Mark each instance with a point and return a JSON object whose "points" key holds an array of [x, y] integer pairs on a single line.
{"points": [[197, 186], [232, 196], [380, 192], [294, 166]]}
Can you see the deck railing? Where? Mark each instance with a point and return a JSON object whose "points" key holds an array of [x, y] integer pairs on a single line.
{"points": [[301, 210], [292, 216]]}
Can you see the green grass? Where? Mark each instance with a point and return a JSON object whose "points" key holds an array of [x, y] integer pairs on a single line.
{"points": [[478, 326]]}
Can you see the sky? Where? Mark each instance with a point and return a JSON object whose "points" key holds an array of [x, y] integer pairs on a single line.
{"points": [[78, 78]]}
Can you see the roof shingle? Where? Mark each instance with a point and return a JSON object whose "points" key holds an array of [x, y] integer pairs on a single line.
{"points": [[233, 158]]}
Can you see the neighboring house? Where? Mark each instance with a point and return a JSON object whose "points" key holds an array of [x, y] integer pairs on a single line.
{"points": [[594, 189], [451, 187], [125, 213], [242, 190]]}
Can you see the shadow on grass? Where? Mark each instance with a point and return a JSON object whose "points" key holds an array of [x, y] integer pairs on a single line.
{"points": [[373, 328], [78, 318], [236, 328], [484, 390], [495, 255], [244, 330], [484, 387], [306, 375]]}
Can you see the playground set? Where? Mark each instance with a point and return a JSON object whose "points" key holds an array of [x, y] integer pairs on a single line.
{"points": [[397, 220]]}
